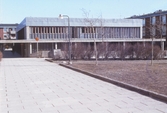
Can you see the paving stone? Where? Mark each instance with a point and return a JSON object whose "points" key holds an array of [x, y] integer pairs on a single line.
{"points": [[32, 85]]}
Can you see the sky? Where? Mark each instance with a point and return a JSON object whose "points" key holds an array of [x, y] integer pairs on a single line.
{"points": [[14, 11]]}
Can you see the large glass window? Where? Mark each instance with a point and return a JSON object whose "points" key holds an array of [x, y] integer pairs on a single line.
{"points": [[164, 19], [153, 19], [144, 22], [163, 30], [5, 29]]}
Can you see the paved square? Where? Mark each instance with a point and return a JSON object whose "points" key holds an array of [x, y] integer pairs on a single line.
{"points": [[31, 85]]}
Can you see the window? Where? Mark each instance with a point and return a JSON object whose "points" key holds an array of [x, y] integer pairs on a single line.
{"points": [[34, 29], [4, 29], [88, 30], [144, 22], [153, 19], [10, 29], [164, 19], [83, 30], [40, 29], [163, 30], [152, 31], [57, 31], [60, 29]]}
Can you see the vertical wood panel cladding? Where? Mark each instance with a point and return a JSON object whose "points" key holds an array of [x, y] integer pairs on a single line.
{"points": [[1, 33], [86, 32]]}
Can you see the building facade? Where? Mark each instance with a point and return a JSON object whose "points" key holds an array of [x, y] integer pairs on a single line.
{"points": [[154, 24], [53, 32], [8, 31]]}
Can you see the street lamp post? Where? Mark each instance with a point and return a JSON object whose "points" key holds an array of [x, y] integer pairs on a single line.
{"points": [[37, 45], [61, 16]]}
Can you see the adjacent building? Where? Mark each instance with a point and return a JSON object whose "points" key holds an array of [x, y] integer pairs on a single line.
{"points": [[8, 31], [154, 25]]}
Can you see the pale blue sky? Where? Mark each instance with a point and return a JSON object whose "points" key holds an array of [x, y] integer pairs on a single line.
{"points": [[14, 11]]}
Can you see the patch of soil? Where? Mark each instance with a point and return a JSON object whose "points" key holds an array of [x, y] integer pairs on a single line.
{"points": [[138, 73]]}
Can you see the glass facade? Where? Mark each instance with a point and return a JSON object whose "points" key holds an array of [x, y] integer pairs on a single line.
{"points": [[84, 32]]}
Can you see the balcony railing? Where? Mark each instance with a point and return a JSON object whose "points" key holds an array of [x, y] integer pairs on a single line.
{"points": [[12, 32]]}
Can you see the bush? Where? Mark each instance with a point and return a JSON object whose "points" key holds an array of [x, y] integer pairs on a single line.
{"points": [[1, 55], [131, 51]]}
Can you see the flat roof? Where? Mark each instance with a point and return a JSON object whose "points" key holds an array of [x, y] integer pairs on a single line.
{"points": [[156, 13], [44, 21], [8, 25]]}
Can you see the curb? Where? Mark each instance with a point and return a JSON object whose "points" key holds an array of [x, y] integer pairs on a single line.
{"points": [[49, 60], [151, 94]]}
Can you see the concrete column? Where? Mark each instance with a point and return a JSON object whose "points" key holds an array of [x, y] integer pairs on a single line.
{"points": [[27, 32], [30, 48], [75, 45], [144, 44], [26, 50], [106, 46], [162, 46], [141, 29], [124, 45], [55, 45]]}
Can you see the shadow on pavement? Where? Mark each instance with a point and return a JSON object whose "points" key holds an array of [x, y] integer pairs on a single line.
{"points": [[10, 54]]}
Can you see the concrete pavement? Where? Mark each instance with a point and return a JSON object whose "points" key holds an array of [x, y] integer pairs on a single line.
{"points": [[31, 85]]}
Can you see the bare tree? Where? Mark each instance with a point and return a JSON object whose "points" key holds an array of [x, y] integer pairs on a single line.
{"points": [[88, 53], [154, 29], [129, 50], [160, 29], [151, 30], [91, 22], [101, 50], [113, 51], [104, 44], [79, 50]]}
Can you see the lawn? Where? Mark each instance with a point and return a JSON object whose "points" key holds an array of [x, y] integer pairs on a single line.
{"points": [[139, 73]]}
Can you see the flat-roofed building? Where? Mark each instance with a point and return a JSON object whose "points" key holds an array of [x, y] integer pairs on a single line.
{"points": [[154, 24], [8, 31], [53, 33]]}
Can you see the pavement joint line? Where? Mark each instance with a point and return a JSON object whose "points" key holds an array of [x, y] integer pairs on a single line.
{"points": [[89, 109], [151, 94], [124, 102], [118, 106], [138, 108], [143, 103], [130, 98], [160, 111], [40, 109], [98, 104], [81, 103], [109, 111], [106, 100]]}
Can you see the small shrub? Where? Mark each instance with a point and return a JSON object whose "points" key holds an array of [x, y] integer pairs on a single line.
{"points": [[1, 55]]}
